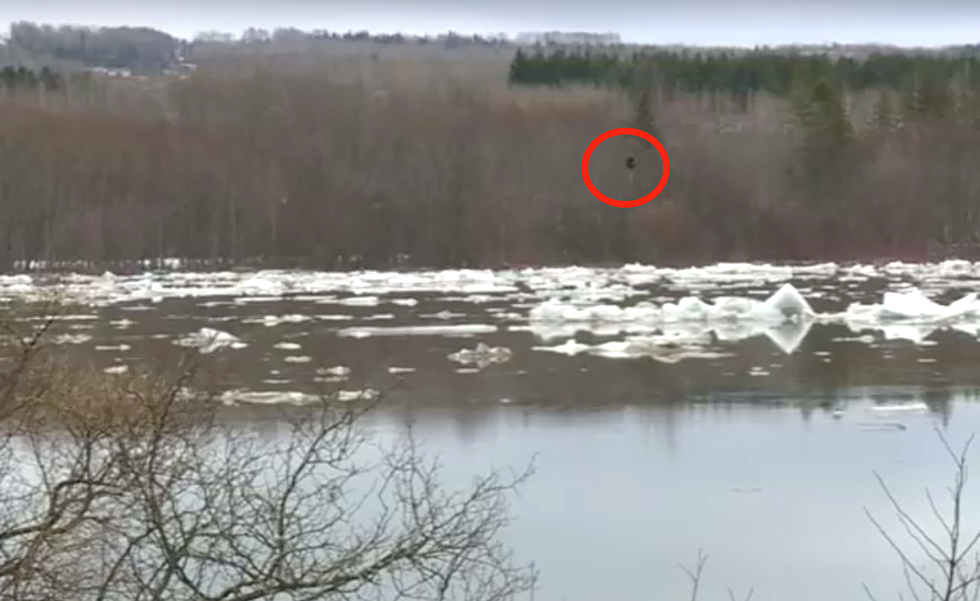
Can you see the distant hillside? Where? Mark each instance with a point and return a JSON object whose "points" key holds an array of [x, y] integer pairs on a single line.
{"points": [[133, 49], [143, 50]]}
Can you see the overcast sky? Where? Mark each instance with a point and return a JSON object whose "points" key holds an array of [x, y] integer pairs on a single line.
{"points": [[704, 22]]}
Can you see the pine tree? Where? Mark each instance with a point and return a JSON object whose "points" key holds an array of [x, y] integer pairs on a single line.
{"points": [[823, 115], [827, 153], [885, 117], [518, 68]]}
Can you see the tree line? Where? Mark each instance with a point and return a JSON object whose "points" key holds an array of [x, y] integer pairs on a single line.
{"points": [[22, 78], [742, 74], [140, 49]]}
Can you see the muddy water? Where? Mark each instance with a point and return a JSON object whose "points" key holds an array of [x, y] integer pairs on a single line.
{"points": [[760, 451], [297, 345]]}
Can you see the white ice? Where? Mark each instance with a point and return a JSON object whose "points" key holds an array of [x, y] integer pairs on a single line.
{"points": [[366, 287], [464, 330], [482, 356], [208, 340]]}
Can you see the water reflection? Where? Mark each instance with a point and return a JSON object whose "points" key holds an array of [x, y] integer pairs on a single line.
{"points": [[773, 491]]}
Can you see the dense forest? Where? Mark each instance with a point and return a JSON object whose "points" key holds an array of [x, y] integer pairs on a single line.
{"points": [[743, 75], [378, 160]]}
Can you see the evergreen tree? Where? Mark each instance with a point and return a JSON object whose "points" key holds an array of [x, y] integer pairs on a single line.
{"points": [[885, 116], [826, 157], [517, 73]]}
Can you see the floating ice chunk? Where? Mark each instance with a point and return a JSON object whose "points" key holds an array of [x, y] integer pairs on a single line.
{"points": [[965, 306], [859, 273], [359, 301], [287, 346], [913, 333], [569, 347], [116, 369], [972, 329], [447, 330], [258, 284], [271, 321], [687, 309], [339, 370], [785, 303], [955, 268], [658, 348], [71, 339], [234, 397], [208, 340], [348, 396], [297, 359], [108, 347], [557, 311], [617, 349], [912, 304], [481, 356]]}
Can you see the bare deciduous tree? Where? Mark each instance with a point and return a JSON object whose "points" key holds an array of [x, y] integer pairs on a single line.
{"points": [[136, 487], [944, 566]]}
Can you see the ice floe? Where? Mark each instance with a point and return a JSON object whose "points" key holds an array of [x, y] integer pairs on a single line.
{"points": [[786, 304], [208, 340], [664, 313], [908, 314], [482, 356], [235, 397], [639, 347], [71, 339], [337, 370], [690, 326], [272, 321], [368, 288], [465, 330], [122, 348], [287, 346]]}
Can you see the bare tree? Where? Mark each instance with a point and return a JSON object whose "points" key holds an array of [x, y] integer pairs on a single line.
{"points": [[951, 571], [137, 487]]}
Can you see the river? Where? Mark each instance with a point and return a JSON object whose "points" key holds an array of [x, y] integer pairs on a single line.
{"points": [[661, 425]]}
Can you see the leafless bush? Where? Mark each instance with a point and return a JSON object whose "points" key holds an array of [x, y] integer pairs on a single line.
{"points": [[134, 487], [943, 567]]}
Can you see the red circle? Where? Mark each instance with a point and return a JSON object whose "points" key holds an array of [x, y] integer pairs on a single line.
{"points": [[625, 131]]}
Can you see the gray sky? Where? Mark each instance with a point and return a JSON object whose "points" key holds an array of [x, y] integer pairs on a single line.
{"points": [[704, 22]]}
